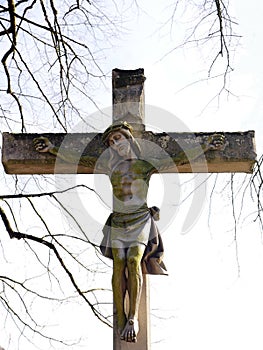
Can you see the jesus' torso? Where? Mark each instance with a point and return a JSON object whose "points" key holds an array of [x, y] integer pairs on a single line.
{"points": [[130, 182]]}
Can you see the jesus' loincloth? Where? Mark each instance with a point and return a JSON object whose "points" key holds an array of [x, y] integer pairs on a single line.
{"points": [[133, 228]]}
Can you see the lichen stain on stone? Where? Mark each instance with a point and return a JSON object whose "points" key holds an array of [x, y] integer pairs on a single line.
{"points": [[85, 141]]}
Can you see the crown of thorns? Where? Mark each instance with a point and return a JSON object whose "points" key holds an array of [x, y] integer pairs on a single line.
{"points": [[116, 127]]}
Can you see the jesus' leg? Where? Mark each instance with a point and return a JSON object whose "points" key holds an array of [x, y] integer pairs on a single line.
{"points": [[119, 285], [135, 280]]}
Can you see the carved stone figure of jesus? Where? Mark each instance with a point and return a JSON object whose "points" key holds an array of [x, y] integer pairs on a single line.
{"points": [[131, 237]]}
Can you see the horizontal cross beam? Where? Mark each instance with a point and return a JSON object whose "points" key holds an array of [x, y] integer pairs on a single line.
{"points": [[20, 157]]}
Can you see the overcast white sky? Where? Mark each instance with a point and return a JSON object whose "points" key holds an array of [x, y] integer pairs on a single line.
{"points": [[203, 303]]}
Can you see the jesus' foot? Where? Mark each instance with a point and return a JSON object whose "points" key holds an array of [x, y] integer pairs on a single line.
{"points": [[130, 331]]}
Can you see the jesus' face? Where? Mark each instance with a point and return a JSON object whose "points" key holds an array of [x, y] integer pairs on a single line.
{"points": [[120, 144]]}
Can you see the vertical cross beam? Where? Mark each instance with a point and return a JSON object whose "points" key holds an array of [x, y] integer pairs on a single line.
{"points": [[128, 97], [128, 104]]}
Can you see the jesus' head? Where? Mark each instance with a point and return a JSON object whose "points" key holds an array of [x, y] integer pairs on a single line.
{"points": [[119, 138]]}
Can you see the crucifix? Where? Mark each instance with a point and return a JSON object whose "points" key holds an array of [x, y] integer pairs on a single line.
{"points": [[130, 155]]}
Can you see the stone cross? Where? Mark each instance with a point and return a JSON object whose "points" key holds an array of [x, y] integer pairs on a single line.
{"points": [[19, 157]]}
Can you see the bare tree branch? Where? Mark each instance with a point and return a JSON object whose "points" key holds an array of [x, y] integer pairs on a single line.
{"points": [[51, 246], [12, 30], [256, 184]]}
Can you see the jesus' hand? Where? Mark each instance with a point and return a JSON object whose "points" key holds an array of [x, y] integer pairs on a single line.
{"points": [[216, 142], [42, 144]]}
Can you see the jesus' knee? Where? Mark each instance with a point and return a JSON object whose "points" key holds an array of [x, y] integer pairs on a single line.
{"points": [[133, 264]]}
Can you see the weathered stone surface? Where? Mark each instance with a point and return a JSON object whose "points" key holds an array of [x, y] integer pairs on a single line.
{"points": [[239, 154], [20, 157], [128, 96], [126, 78]]}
